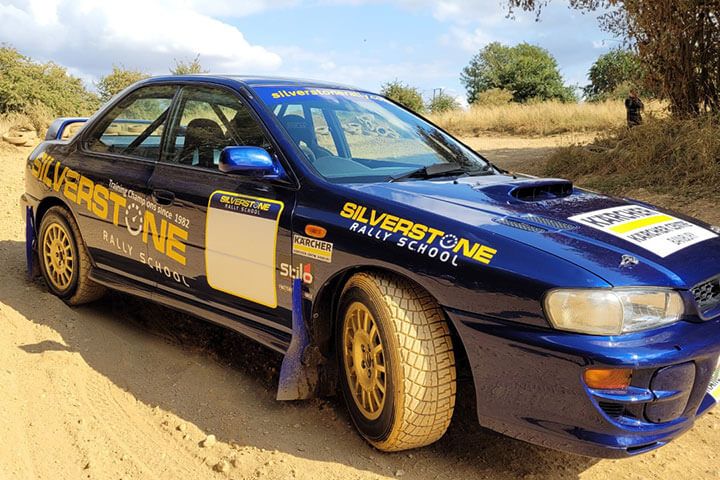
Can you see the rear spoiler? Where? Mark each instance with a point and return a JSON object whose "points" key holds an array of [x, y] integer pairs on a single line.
{"points": [[64, 128]]}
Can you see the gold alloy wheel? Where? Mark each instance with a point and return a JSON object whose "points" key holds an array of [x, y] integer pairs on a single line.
{"points": [[364, 360], [58, 256]]}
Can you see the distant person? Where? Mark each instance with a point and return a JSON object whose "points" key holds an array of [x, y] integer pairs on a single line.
{"points": [[634, 107]]}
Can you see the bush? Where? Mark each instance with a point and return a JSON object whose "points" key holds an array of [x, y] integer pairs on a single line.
{"points": [[38, 92], [404, 94], [528, 71], [117, 80], [663, 155], [442, 103], [613, 75], [493, 98], [192, 67]]}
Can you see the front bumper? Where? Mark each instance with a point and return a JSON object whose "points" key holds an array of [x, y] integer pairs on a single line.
{"points": [[529, 383]]}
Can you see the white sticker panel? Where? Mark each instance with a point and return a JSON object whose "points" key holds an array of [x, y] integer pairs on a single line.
{"points": [[714, 387], [654, 231], [240, 246]]}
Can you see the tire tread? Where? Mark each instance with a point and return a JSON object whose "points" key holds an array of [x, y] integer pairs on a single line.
{"points": [[427, 400]]}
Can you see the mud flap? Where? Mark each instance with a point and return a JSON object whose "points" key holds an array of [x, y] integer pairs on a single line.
{"points": [[30, 243], [297, 381]]}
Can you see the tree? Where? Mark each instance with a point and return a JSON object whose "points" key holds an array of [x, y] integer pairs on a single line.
{"points": [[26, 86], [678, 43], [404, 94], [117, 80], [192, 67], [528, 71], [442, 103], [612, 74]]}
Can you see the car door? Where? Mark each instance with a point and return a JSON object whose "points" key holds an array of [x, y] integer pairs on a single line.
{"points": [[115, 160], [235, 230]]}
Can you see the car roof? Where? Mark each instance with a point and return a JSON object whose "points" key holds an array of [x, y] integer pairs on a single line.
{"points": [[250, 81]]}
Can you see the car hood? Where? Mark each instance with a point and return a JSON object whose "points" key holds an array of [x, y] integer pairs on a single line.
{"points": [[623, 241]]}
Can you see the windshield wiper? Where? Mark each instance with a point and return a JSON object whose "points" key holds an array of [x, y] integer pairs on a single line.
{"points": [[430, 171], [440, 170]]}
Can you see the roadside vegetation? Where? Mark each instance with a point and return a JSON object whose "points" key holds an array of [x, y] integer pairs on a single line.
{"points": [[676, 45], [668, 156], [538, 118], [32, 93]]}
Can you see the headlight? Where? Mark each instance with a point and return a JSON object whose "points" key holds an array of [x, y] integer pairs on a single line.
{"points": [[612, 311]]}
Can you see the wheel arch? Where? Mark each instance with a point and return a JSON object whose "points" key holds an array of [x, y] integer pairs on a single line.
{"points": [[46, 204]]}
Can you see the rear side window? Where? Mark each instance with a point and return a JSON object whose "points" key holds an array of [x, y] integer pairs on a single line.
{"points": [[134, 127]]}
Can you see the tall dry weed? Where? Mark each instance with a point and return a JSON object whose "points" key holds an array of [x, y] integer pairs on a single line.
{"points": [[539, 119]]}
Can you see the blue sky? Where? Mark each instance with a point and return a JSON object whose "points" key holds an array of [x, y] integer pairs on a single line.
{"points": [[359, 42]]}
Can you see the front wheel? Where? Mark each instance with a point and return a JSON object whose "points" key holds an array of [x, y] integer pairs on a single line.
{"points": [[64, 261], [396, 360]]}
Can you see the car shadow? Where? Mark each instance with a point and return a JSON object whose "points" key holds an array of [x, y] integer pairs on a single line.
{"points": [[225, 384]]}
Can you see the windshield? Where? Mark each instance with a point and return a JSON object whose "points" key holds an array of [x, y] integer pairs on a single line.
{"points": [[351, 136]]}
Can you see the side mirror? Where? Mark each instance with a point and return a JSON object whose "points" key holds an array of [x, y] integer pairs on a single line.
{"points": [[251, 161]]}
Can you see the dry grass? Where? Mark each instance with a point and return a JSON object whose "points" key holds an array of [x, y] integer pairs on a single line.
{"points": [[539, 119], [37, 118], [666, 156]]}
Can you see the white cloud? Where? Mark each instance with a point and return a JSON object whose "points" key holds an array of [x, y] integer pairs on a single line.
{"points": [[235, 8], [90, 36], [468, 40]]}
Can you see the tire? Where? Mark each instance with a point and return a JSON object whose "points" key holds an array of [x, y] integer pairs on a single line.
{"points": [[414, 362], [64, 261], [17, 140]]}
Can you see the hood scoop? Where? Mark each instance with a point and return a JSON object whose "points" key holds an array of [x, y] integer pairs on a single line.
{"points": [[537, 191], [531, 190]]}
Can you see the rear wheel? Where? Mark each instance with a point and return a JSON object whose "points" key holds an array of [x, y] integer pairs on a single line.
{"points": [[64, 261], [396, 361]]}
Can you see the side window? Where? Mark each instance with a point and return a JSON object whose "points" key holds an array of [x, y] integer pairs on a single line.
{"points": [[134, 126], [207, 121]]}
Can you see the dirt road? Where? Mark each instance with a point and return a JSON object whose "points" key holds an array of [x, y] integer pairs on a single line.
{"points": [[127, 390]]}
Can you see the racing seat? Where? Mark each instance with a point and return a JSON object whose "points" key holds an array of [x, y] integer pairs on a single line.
{"points": [[203, 136], [244, 131], [301, 133]]}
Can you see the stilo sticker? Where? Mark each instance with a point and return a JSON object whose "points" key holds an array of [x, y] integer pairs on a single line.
{"points": [[654, 231]]}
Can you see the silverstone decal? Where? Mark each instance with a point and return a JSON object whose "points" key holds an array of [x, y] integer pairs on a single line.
{"points": [[156, 226], [654, 231], [240, 246], [416, 237], [321, 92], [313, 248]]}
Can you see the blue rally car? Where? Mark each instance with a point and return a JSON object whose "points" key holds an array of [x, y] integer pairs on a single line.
{"points": [[382, 256]]}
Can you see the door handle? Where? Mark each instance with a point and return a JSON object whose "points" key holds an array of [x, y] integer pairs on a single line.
{"points": [[163, 197]]}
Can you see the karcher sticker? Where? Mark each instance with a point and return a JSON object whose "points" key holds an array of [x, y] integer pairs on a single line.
{"points": [[240, 246], [654, 231], [313, 248]]}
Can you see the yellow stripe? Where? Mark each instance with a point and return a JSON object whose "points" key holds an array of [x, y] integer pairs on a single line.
{"points": [[642, 222], [316, 251]]}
